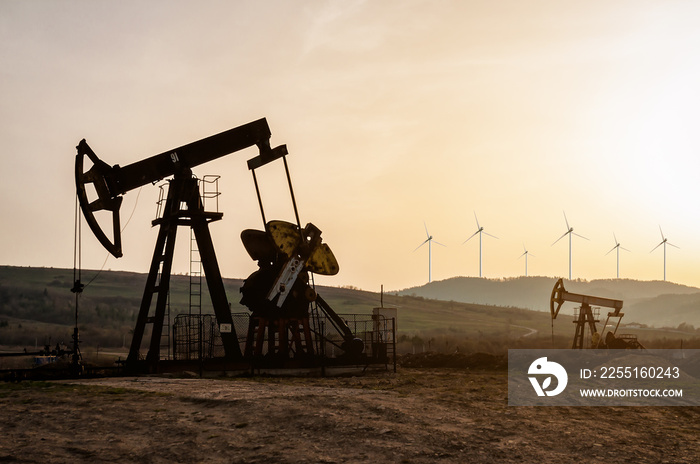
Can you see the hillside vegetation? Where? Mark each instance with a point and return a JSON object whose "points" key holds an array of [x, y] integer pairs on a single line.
{"points": [[37, 307]]}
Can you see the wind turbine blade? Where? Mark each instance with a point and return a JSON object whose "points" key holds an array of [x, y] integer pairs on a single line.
{"points": [[623, 248], [470, 237], [579, 235], [662, 233], [489, 234], [477, 221], [438, 243], [657, 246], [560, 237], [566, 220], [420, 245], [522, 255], [426, 230], [606, 254], [616, 242], [674, 246]]}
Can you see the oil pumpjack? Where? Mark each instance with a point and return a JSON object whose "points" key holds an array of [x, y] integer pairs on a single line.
{"points": [[278, 294], [586, 318]]}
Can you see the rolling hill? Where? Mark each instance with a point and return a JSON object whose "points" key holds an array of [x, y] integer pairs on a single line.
{"points": [[654, 303], [36, 305]]}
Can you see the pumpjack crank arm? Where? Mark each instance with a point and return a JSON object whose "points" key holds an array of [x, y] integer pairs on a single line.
{"points": [[110, 183]]}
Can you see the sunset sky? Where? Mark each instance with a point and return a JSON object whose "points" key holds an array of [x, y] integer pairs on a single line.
{"points": [[395, 114]]}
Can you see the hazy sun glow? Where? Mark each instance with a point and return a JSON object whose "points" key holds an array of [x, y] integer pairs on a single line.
{"points": [[395, 113]]}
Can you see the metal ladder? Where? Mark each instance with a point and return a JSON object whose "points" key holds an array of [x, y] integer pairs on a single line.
{"points": [[195, 301], [195, 298]]}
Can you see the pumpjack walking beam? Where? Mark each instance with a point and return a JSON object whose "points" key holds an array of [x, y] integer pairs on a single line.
{"points": [[110, 183]]}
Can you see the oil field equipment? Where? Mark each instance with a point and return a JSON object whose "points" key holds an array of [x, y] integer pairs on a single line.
{"points": [[587, 315], [288, 319]]}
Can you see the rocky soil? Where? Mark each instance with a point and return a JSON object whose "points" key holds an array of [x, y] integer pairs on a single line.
{"points": [[418, 415]]}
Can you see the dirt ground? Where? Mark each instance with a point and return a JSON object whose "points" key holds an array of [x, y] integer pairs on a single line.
{"points": [[417, 415]]}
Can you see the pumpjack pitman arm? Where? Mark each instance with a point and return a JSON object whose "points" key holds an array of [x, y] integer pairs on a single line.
{"points": [[110, 183]]}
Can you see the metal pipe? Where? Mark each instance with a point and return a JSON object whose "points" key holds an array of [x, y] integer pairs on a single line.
{"points": [[257, 191], [291, 191]]}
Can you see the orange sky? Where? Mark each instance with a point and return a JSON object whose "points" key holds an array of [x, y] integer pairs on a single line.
{"points": [[394, 112]]}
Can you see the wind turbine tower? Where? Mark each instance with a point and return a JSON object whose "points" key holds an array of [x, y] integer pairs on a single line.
{"points": [[479, 230], [525, 254], [569, 232], [664, 242], [429, 241], [618, 248]]}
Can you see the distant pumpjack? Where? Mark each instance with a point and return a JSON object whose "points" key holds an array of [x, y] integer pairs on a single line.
{"points": [[587, 318]]}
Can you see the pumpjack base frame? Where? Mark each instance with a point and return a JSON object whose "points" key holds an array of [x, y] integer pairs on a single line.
{"points": [[265, 352]]}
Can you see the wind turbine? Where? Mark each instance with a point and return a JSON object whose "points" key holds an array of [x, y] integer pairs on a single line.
{"points": [[618, 248], [429, 241], [569, 232], [479, 230], [664, 242], [525, 255]]}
